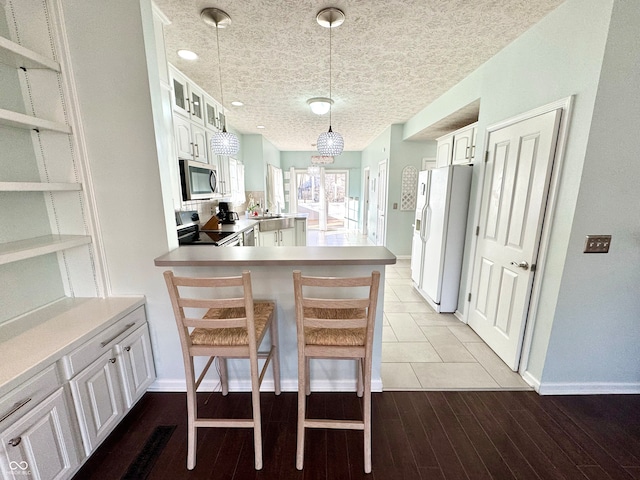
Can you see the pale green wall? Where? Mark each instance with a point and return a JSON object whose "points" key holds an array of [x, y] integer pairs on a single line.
{"points": [[596, 333], [252, 155], [558, 57], [399, 230]]}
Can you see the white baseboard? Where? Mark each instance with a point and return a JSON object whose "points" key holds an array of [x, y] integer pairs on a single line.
{"points": [[403, 257], [178, 385], [531, 380], [589, 388]]}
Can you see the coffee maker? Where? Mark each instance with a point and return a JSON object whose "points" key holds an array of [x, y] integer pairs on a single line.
{"points": [[225, 216]]}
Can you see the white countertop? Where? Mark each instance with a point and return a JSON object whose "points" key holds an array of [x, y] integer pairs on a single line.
{"points": [[55, 331], [278, 256]]}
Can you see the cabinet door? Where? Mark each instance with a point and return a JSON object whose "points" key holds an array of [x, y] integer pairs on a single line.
{"points": [[40, 445], [223, 175], [196, 97], [180, 94], [443, 156], [301, 232], [268, 239], [463, 147], [287, 237], [210, 113], [199, 139], [136, 365], [98, 400], [184, 145]]}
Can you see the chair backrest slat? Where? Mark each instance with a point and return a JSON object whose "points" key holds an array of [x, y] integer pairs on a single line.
{"points": [[207, 282], [336, 281], [215, 322], [211, 302], [346, 303]]}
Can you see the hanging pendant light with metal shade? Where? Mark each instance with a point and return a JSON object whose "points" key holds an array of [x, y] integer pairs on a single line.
{"points": [[222, 143], [330, 143]]}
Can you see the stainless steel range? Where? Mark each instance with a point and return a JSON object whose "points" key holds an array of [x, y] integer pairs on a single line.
{"points": [[188, 227]]}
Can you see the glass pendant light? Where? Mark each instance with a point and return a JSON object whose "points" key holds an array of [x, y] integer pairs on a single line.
{"points": [[330, 143], [222, 143]]}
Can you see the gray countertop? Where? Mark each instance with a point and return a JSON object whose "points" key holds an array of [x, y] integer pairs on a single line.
{"points": [[196, 256]]}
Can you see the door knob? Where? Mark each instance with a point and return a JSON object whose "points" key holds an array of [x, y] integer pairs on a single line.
{"points": [[522, 265]]}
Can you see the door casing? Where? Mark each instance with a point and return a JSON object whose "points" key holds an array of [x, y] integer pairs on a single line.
{"points": [[566, 104]]}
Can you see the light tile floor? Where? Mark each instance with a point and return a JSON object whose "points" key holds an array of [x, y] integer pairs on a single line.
{"points": [[422, 349], [425, 350]]}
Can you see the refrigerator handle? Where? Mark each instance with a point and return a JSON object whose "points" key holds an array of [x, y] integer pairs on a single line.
{"points": [[427, 223], [423, 223]]}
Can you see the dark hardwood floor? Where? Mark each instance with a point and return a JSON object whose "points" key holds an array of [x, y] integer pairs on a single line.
{"points": [[416, 435]]}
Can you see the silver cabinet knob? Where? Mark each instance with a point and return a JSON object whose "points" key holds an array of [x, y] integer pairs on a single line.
{"points": [[522, 265], [112, 360], [127, 349]]}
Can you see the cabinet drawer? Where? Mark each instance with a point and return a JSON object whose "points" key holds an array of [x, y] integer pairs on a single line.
{"points": [[28, 395], [83, 356]]}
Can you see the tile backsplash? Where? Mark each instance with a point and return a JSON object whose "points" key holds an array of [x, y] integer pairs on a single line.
{"points": [[207, 208]]}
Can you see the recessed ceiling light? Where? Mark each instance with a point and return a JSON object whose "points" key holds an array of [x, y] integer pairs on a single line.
{"points": [[187, 54], [260, 126], [237, 103]]}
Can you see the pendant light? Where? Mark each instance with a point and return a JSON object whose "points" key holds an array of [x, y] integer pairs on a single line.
{"points": [[222, 143], [330, 143]]}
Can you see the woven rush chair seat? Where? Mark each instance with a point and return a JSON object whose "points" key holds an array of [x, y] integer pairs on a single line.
{"points": [[233, 326], [233, 335], [336, 328]]}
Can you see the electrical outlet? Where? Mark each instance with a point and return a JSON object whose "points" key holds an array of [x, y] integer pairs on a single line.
{"points": [[597, 244]]}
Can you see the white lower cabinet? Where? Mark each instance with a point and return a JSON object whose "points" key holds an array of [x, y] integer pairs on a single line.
{"points": [[97, 394], [40, 445], [53, 420], [105, 390], [278, 238], [135, 362]]}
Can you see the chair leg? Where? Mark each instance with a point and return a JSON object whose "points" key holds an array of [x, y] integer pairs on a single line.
{"points": [[275, 355], [359, 366], [192, 415], [224, 375], [367, 421], [303, 365], [257, 419], [307, 378]]}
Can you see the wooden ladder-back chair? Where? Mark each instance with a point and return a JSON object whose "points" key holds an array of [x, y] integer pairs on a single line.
{"points": [[233, 327], [336, 328]]}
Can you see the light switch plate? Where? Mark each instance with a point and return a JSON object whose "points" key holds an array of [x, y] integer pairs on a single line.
{"points": [[597, 244]]}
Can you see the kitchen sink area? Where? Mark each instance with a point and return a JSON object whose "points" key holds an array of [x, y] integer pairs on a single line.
{"points": [[268, 224]]}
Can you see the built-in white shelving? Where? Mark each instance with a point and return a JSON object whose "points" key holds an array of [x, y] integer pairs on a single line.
{"points": [[39, 187], [20, 120], [20, 57], [34, 247]]}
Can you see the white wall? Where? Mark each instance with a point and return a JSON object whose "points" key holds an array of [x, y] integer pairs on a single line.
{"points": [[110, 66]]}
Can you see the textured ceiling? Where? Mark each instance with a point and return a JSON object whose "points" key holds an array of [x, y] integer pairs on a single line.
{"points": [[390, 59]]}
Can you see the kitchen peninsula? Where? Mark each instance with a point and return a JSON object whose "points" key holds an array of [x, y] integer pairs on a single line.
{"points": [[271, 273]]}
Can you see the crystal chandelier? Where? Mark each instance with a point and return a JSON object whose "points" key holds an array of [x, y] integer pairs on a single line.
{"points": [[222, 143], [330, 143]]}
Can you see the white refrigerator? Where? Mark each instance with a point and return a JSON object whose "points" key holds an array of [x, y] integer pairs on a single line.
{"points": [[443, 221]]}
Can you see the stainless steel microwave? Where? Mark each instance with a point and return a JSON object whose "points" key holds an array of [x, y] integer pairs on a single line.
{"points": [[199, 180]]}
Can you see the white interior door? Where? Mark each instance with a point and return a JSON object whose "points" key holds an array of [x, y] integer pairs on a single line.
{"points": [[382, 203], [515, 190], [365, 203]]}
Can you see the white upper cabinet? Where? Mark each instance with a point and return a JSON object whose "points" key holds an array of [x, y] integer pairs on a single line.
{"points": [[464, 146], [457, 148], [445, 147]]}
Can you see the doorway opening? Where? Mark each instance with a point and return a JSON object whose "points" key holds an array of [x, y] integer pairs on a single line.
{"points": [[322, 194]]}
